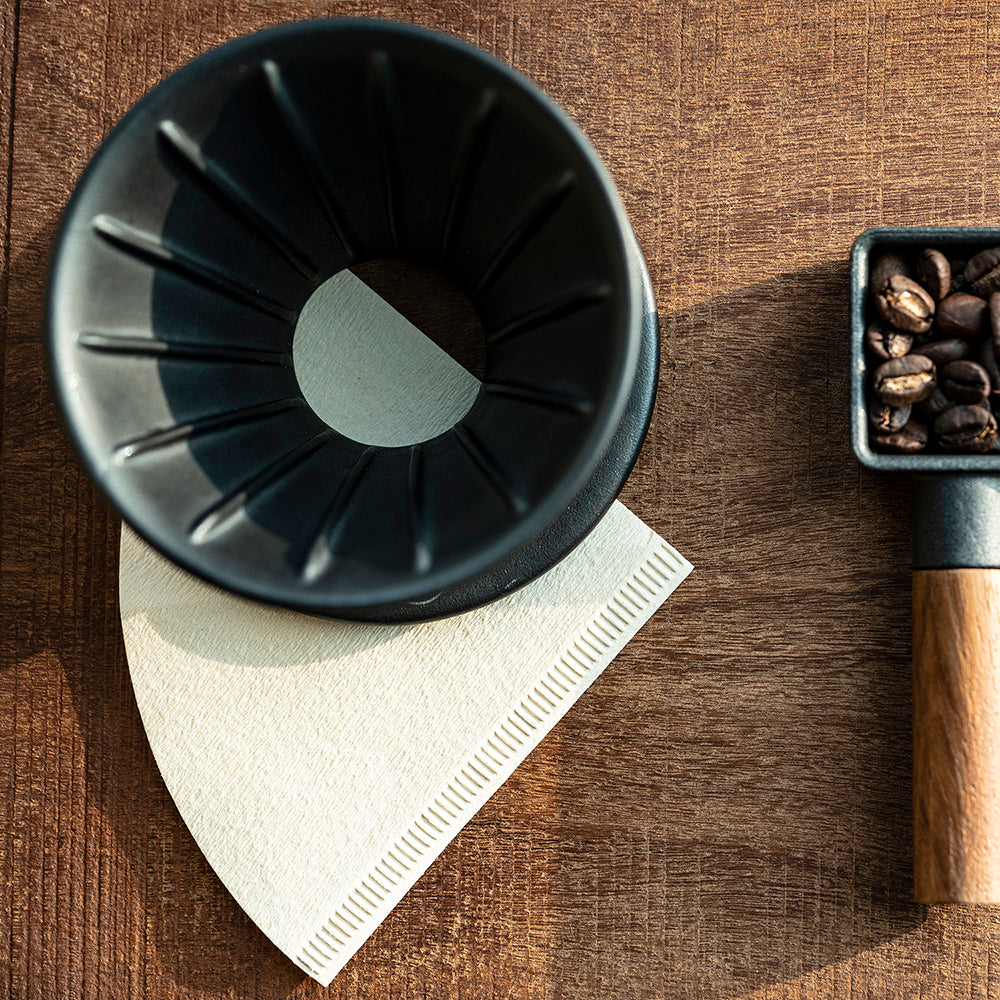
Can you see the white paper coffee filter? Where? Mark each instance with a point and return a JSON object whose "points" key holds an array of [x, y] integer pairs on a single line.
{"points": [[322, 766]]}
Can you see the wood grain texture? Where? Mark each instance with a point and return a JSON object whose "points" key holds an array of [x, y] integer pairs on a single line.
{"points": [[727, 814], [956, 735]]}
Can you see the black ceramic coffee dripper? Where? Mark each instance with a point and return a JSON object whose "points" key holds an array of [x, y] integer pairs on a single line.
{"points": [[216, 208]]}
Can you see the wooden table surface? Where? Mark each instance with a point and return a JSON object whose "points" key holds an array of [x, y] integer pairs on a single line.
{"points": [[726, 812]]}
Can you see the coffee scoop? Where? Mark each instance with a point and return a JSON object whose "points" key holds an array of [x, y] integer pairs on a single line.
{"points": [[956, 616]]}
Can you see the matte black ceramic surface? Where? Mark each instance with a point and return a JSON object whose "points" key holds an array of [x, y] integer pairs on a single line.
{"points": [[220, 204], [956, 497]]}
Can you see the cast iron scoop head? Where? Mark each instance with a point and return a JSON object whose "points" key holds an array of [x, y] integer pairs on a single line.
{"points": [[237, 187], [956, 615]]}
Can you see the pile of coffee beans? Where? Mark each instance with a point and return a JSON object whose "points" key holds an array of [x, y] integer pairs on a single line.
{"points": [[933, 347]]}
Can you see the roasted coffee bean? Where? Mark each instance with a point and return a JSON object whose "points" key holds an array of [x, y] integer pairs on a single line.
{"points": [[934, 273], [884, 342], [885, 267], [933, 406], [943, 351], [886, 419], [982, 273], [913, 437], [965, 382], [903, 381], [904, 304], [966, 428], [962, 315]]}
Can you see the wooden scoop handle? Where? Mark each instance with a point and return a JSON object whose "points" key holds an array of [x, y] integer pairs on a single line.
{"points": [[956, 735]]}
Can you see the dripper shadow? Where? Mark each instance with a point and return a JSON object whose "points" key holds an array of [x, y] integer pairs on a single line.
{"points": [[736, 791]]}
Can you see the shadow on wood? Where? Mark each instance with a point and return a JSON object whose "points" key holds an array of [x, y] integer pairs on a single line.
{"points": [[733, 797]]}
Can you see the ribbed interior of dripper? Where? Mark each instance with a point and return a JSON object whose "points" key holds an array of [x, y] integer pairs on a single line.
{"points": [[227, 197], [335, 161]]}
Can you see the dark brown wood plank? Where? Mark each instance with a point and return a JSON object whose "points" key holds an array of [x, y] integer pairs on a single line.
{"points": [[8, 62], [726, 813]]}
